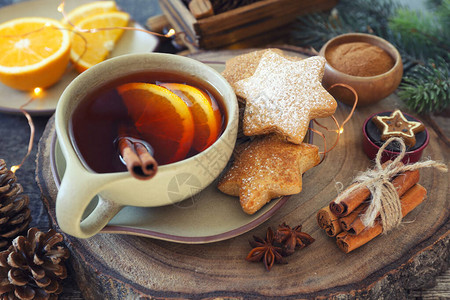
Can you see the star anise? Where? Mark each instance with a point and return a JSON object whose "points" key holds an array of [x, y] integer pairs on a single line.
{"points": [[292, 238], [265, 250]]}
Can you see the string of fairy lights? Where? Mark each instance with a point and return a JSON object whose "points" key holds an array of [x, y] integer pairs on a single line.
{"points": [[340, 128], [60, 9], [38, 91]]}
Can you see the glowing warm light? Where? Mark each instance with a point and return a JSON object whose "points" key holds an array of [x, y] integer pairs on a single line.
{"points": [[14, 168], [170, 33], [37, 91], [340, 130], [61, 7]]}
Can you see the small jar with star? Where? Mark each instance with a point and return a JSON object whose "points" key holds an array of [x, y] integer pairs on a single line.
{"points": [[383, 125]]}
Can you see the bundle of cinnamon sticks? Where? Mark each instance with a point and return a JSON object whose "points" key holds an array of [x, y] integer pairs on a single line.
{"points": [[343, 220]]}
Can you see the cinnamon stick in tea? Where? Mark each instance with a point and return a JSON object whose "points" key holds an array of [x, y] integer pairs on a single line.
{"points": [[352, 201], [410, 200], [402, 183], [328, 221], [135, 153]]}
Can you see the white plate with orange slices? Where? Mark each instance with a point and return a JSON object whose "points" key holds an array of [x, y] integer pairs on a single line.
{"points": [[94, 15]]}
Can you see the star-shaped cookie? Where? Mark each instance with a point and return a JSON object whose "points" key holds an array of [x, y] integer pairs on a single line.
{"points": [[266, 168], [397, 125], [282, 96], [244, 65]]}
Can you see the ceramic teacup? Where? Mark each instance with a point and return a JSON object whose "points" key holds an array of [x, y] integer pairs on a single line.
{"points": [[116, 190]]}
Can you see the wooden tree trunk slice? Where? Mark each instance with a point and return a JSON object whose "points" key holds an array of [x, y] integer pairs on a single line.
{"points": [[116, 266]]}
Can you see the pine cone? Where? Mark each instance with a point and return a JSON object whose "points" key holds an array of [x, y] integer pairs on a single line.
{"points": [[33, 266], [15, 216]]}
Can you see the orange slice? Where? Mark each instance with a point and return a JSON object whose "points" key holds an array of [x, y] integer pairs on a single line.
{"points": [[162, 119], [205, 119], [88, 10], [34, 52], [95, 47]]}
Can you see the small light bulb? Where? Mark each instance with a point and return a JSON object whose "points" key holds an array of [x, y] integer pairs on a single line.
{"points": [[341, 130], [37, 91], [60, 7], [170, 33], [14, 169]]}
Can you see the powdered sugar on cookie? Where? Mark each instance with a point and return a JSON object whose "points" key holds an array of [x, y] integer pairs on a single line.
{"points": [[244, 65], [282, 96]]}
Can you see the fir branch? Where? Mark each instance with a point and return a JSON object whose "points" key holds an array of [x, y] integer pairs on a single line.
{"points": [[314, 30], [427, 88], [434, 4], [424, 30]]}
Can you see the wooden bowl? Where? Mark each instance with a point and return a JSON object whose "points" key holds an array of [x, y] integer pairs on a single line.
{"points": [[370, 89]]}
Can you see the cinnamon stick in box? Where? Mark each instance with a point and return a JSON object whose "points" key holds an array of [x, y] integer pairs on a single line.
{"points": [[402, 183], [411, 199]]}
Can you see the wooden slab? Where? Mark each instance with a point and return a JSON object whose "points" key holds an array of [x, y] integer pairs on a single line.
{"points": [[118, 266]]}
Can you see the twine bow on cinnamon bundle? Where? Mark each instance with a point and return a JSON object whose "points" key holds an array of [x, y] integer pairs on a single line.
{"points": [[392, 191]]}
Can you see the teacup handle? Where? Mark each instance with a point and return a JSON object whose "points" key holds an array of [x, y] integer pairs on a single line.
{"points": [[73, 199]]}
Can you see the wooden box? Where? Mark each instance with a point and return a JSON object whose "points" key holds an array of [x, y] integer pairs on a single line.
{"points": [[253, 24]]}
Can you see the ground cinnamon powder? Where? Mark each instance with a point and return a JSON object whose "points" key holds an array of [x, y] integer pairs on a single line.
{"points": [[359, 59]]}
